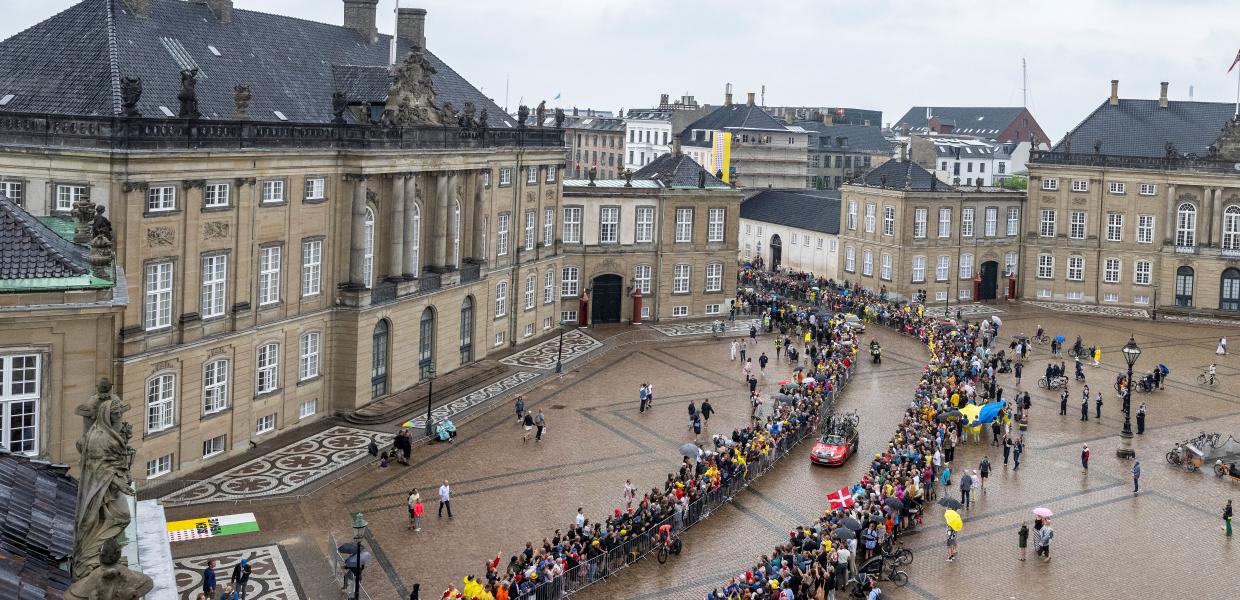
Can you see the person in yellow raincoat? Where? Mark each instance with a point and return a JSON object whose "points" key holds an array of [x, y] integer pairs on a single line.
{"points": [[472, 588]]}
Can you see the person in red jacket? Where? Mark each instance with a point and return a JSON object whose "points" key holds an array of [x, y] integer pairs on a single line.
{"points": [[1085, 459]]}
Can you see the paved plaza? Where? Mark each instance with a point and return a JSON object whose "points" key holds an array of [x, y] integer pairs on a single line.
{"points": [[1164, 542]]}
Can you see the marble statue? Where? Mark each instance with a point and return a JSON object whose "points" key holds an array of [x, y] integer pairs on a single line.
{"points": [[111, 580], [102, 510]]}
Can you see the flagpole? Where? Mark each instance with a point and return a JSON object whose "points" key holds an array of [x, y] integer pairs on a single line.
{"points": [[1237, 94]]}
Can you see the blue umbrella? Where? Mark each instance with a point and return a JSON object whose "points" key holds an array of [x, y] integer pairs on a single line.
{"points": [[989, 412], [1061, 339]]}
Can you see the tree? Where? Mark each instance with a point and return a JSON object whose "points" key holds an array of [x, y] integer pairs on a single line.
{"points": [[1015, 182]]}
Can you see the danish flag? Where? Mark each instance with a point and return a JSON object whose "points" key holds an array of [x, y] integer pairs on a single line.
{"points": [[840, 499]]}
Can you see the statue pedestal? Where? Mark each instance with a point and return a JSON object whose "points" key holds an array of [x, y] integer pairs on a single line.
{"points": [[149, 551]]}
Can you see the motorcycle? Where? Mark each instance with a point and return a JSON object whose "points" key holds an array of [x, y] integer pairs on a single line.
{"points": [[876, 354]]}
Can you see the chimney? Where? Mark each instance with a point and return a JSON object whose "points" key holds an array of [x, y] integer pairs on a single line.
{"points": [[787, 116], [140, 8], [676, 145], [411, 26], [663, 100], [1162, 95], [749, 100], [359, 15], [929, 113], [903, 151], [1114, 101], [727, 95], [222, 9]]}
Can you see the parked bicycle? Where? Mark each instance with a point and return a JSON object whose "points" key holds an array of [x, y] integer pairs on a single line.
{"points": [[1053, 383], [1207, 378]]}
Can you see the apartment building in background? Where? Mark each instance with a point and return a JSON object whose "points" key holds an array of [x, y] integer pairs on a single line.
{"points": [[595, 143], [746, 147]]}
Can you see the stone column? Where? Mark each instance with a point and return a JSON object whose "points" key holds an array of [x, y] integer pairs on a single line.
{"points": [[449, 213], [1216, 217], [357, 241], [474, 238], [396, 258], [409, 269], [1169, 226], [438, 222]]}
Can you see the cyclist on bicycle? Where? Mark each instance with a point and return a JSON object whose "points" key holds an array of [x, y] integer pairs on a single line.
{"points": [[1038, 335], [665, 536], [1210, 373]]}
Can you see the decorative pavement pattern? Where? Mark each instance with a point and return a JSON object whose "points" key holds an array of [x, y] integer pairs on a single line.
{"points": [[543, 355], [270, 578], [282, 471], [1203, 320], [975, 309], [1093, 309], [704, 327], [474, 398]]}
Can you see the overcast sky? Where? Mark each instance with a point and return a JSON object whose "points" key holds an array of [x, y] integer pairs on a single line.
{"points": [[881, 54]]}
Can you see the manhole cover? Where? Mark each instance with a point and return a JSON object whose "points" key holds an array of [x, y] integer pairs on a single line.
{"points": [[558, 407]]}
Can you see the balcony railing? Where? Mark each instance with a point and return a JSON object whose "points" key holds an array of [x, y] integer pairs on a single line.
{"points": [[1185, 249], [1186, 162], [143, 133]]}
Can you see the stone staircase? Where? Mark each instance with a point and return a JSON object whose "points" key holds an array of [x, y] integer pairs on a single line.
{"points": [[412, 401]]}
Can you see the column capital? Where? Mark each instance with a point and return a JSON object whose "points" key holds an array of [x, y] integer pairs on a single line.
{"points": [[355, 177]]}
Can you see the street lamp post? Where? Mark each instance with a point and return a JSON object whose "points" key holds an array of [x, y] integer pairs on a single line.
{"points": [[430, 392], [559, 353], [1131, 353], [359, 531]]}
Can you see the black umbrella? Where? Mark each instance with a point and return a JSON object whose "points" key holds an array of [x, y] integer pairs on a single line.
{"points": [[348, 548], [785, 398], [351, 560], [894, 503], [852, 524], [843, 533], [951, 503]]}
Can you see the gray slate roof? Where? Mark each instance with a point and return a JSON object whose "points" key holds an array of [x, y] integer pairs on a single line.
{"points": [[678, 171], [974, 120], [33, 251], [904, 175], [37, 503], [737, 116], [72, 63], [1141, 128], [815, 210], [858, 138]]}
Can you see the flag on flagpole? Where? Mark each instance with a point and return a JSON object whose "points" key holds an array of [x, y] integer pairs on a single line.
{"points": [[1234, 62], [840, 499], [557, 97]]}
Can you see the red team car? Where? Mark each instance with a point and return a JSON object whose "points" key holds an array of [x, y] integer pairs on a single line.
{"points": [[834, 447]]}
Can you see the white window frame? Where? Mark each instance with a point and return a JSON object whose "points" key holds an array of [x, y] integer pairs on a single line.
{"points": [[680, 278], [1076, 268], [531, 174], [1145, 229], [1050, 184], [368, 249], [530, 229], [1118, 187], [919, 269], [920, 217], [641, 279], [991, 227], [67, 195], [1077, 224], [1115, 227], [1148, 189], [569, 316], [1080, 185], [265, 424], [1186, 225], [549, 286], [966, 266], [609, 224], [884, 267], [216, 375], [161, 393], [21, 389], [531, 285], [871, 213], [852, 215], [715, 218], [214, 285], [680, 311], [714, 277], [211, 448], [1010, 262], [159, 466], [308, 408], [867, 262], [850, 259], [309, 351], [548, 226], [684, 225], [945, 222], [311, 267], [316, 188], [966, 222], [551, 172], [569, 281], [1110, 270], [505, 176], [889, 223], [501, 234], [943, 268], [158, 296], [14, 190], [501, 299], [268, 275], [1013, 220], [1231, 228], [159, 198], [1142, 272], [1047, 223], [643, 225], [273, 191], [215, 195], [1046, 266], [572, 225], [267, 368]]}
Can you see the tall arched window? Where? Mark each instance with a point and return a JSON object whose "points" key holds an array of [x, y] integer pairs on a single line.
{"points": [[379, 360], [467, 330], [1184, 286], [368, 254], [415, 245], [1231, 228], [1229, 289], [426, 343], [456, 234], [1186, 226]]}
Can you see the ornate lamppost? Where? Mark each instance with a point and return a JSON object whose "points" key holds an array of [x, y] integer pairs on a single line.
{"points": [[1131, 353]]}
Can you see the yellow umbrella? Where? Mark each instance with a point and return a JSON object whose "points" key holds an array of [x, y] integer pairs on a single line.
{"points": [[970, 412], [953, 519]]}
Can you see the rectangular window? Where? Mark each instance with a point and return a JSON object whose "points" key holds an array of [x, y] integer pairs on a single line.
{"points": [[966, 222], [572, 225], [1145, 229], [160, 397], [641, 278], [529, 230], [643, 227], [680, 311], [889, 223], [308, 356], [919, 269], [551, 173], [680, 279], [269, 275], [940, 295], [273, 191], [795, 238], [1110, 270], [501, 235], [1186, 226], [1047, 228], [966, 293], [942, 270], [549, 286], [1080, 185], [1117, 187], [159, 466], [869, 217], [214, 285], [1075, 295], [311, 267], [1110, 297], [505, 176], [608, 224], [1009, 263], [1050, 184], [945, 222], [992, 221], [268, 369], [713, 309], [13, 190], [315, 188], [1148, 189], [531, 175], [919, 222], [158, 296], [885, 268], [546, 323], [215, 195], [852, 215], [548, 226], [1044, 293], [1046, 266], [568, 282], [215, 386], [850, 259], [867, 263], [529, 330], [714, 277], [966, 266], [1076, 225], [1141, 272], [819, 247], [1076, 268], [531, 286], [569, 316], [499, 338], [20, 392], [501, 299], [1115, 227], [1140, 299], [158, 199], [714, 224], [213, 446], [265, 424], [1013, 220], [684, 225]]}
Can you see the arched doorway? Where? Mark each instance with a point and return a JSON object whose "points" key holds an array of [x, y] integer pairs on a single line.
{"points": [[990, 280], [777, 252], [1229, 290], [605, 298], [1184, 286]]}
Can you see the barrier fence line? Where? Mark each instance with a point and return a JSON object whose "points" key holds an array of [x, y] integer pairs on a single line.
{"points": [[633, 550], [334, 559]]}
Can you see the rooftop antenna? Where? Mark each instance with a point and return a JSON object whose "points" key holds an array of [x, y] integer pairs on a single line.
{"points": [[1024, 83], [763, 103], [392, 44], [505, 93], [1190, 93]]}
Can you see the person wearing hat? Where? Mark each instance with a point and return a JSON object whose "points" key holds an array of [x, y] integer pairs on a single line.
{"points": [[240, 577]]}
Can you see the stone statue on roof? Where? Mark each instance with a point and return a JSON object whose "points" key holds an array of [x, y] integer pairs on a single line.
{"points": [[541, 113], [189, 95], [523, 114], [131, 93], [241, 101], [340, 103], [411, 98], [112, 580], [102, 509], [559, 118]]}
